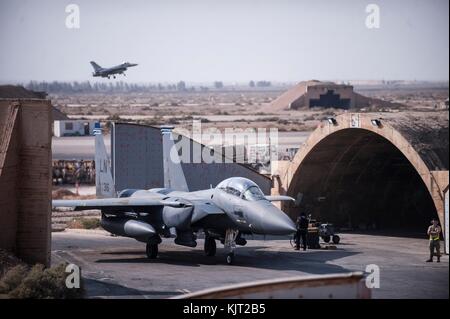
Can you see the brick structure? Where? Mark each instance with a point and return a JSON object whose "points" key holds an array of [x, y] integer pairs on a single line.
{"points": [[25, 177]]}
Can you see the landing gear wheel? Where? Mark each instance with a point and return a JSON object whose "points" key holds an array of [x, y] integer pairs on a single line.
{"points": [[230, 258], [326, 239], [336, 239], [210, 246], [151, 250]]}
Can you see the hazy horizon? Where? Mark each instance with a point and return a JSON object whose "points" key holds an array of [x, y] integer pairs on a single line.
{"points": [[233, 41]]}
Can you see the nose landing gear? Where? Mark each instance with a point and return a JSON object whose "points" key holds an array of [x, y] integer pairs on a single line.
{"points": [[230, 258], [230, 243]]}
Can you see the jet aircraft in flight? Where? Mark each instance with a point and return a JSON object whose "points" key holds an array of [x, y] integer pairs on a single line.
{"points": [[112, 71]]}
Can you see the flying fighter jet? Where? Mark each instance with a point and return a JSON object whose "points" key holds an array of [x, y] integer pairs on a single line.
{"points": [[107, 72], [235, 207]]}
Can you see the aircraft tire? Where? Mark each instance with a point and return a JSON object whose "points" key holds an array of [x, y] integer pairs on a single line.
{"points": [[230, 258], [210, 246], [336, 239], [151, 250]]}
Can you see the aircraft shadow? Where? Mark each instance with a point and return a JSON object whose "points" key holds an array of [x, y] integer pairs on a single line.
{"points": [[311, 262]]}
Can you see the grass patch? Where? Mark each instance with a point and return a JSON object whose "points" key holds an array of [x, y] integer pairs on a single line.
{"points": [[84, 223], [38, 282]]}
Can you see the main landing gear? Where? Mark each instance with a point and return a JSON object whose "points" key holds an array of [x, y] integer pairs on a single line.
{"points": [[210, 246], [151, 249]]}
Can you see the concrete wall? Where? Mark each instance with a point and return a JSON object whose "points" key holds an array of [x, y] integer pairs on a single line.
{"points": [[138, 163], [25, 183], [446, 221]]}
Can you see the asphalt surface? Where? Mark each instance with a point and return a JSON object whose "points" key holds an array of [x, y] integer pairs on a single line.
{"points": [[116, 267]]}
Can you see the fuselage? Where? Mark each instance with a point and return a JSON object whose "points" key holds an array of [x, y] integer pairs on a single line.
{"points": [[119, 69], [246, 209]]}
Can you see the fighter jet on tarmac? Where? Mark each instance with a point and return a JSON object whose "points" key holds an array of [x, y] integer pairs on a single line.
{"points": [[107, 72], [235, 207]]}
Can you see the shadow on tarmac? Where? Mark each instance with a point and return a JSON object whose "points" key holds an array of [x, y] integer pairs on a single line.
{"points": [[311, 261]]}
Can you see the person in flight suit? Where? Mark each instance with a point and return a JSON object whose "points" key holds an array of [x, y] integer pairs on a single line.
{"points": [[302, 231], [434, 232]]}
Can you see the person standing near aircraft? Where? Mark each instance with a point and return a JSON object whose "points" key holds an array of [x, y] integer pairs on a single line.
{"points": [[434, 232], [302, 231]]}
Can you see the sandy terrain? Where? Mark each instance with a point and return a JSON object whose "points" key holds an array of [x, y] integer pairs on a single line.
{"points": [[237, 109]]}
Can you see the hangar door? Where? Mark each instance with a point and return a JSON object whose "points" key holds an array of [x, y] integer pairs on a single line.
{"points": [[137, 162]]}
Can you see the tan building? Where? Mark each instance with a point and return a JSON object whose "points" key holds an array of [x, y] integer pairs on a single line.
{"points": [[25, 174]]}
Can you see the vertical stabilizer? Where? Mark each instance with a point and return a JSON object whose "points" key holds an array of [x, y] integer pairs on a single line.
{"points": [[96, 66], [104, 184], [173, 172]]}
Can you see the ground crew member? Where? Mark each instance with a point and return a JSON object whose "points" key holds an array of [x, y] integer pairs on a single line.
{"points": [[302, 231], [434, 232]]}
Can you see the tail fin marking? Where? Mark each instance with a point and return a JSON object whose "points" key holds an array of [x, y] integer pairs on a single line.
{"points": [[104, 183]]}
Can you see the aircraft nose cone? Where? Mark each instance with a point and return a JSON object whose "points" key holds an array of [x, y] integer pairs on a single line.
{"points": [[278, 223]]}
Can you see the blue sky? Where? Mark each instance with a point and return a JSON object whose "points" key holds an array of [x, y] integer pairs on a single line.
{"points": [[232, 40]]}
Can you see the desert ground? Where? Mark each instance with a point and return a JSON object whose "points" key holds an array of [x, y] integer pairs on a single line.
{"points": [[236, 108]]}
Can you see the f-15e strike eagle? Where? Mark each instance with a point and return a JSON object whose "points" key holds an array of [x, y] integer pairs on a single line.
{"points": [[235, 207], [112, 71]]}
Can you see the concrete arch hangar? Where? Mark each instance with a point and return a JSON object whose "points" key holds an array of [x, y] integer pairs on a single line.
{"points": [[366, 172]]}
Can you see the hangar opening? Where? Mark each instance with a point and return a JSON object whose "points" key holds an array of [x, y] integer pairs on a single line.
{"points": [[330, 99], [356, 178]]}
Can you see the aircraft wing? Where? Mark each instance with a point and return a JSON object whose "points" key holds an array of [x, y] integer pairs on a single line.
{"points": [[279, 198], [116, 203]]}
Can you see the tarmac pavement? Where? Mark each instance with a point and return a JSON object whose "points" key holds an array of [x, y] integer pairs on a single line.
{"points": [[117, 267]]}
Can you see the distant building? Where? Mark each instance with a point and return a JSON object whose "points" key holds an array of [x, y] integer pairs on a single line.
{"points": [[314, 93], [58, 115], [73, 128]]}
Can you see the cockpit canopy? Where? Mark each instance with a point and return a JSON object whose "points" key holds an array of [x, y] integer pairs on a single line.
{"points": [[242, 187]]}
